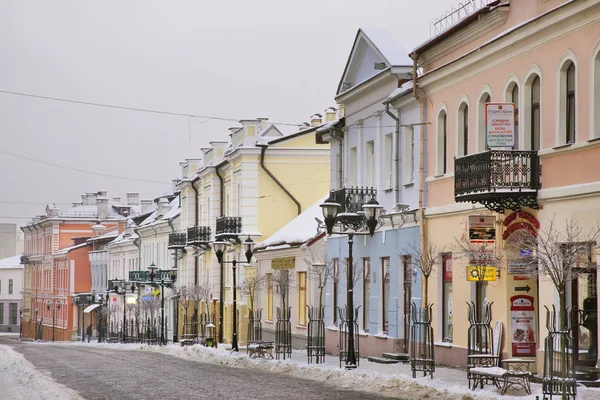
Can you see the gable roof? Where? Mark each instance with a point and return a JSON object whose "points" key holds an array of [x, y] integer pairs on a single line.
{"points": [[383, 45]]}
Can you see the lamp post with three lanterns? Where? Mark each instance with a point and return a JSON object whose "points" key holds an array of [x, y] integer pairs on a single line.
{"points": [[350, 223], [56, 307], [220, 247]]}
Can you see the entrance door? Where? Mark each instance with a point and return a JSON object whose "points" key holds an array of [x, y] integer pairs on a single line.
{"points": [[406, 262], [585, 328]]}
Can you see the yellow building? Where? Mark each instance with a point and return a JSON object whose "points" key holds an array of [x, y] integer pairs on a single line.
{"points": [[250, 186]]}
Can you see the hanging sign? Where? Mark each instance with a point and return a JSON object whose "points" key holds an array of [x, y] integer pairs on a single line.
{"points": [[482, 228], [500, 125], [522, 315], [474, 273]]}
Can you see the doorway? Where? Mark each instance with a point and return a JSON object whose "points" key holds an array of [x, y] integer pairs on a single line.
{"points": [[406, 262]]}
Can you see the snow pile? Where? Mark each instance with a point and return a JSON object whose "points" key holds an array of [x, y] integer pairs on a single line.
{"points": [[20, 380]]}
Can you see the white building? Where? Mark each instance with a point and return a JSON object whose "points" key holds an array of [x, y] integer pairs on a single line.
{"points": [[11, 293]]}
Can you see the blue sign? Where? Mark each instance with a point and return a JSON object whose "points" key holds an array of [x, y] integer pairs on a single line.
{"points": [[147, 298], [525, 253]]}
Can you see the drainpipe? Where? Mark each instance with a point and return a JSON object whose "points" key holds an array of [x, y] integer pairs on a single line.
{"points": [[340, 140], [197, 219], [263, 149], [222, 186], [398, 158], [221, 268], [422, 226]]}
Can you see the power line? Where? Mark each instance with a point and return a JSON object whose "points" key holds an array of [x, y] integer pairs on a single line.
{"points": [[83, 170], [138, 109], [31, 202]]}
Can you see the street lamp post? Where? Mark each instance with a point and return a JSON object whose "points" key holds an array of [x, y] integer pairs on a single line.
{"points": [[36, 324], [20, 323], [350, 223], [220, 247], [173, 277], [120, 287], [56, 306]]}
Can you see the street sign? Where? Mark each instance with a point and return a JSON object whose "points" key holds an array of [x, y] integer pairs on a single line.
{"points": [[473, 272], [156, 291], [147, 298], [522, 288]]}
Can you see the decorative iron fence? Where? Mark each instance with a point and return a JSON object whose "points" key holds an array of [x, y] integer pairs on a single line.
{"points": [[254, 325], [480, 338], [315, 347], [198, 234], [559, 360], [228, 226], [422, 355], [352, 199], [343, 339], [177, 239], [283, 333]]}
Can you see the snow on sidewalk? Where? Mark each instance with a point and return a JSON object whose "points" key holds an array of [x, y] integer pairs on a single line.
{"points": [[19, 380]]}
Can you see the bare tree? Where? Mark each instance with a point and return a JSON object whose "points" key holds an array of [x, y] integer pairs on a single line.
{"points": [[559, 253], [425, 258], [283, 280], [320, 269], [356, 273], [252, 286]]}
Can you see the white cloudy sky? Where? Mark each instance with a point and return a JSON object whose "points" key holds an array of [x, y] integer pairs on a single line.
{"points": [[237, 59]]}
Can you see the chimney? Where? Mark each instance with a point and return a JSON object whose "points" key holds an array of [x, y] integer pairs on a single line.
{"points": [[176, 183], [84, 200], [133, 198], [75, 205], [98, 229], [116, 200], [330, 115], [316, 120], [341, 110], [91, 199], [101, 193], [163, 206], [146, 206], [102, 207], [303, 126]]}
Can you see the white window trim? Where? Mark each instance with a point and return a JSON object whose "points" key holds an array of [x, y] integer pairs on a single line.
{"points": [[458, 142], [480, 117], [560, 131], [508, 86], [594, 93]]}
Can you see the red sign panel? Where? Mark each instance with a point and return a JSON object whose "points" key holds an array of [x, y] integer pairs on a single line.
{"points": [[522, 312]]}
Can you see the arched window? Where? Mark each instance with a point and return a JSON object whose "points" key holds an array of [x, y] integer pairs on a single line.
{"points": [[514, 98], [485, 98], [442, 135], [596, 97], [570, 104], [463, 130], [535, 113]]}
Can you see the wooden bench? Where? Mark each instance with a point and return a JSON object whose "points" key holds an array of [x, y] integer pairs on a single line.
{"points": [[259, 348]]}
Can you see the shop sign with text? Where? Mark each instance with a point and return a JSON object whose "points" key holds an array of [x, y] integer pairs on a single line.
{"points": [[500, 125], [476, 272], [482, 228]]}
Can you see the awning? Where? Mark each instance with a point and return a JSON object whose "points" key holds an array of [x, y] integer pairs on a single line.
{"points": [[91, 308]]}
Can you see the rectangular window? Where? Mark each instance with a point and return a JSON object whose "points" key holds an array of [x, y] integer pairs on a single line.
{"points": [[353, 167], [1, 313], [269, 297], [370, 163], [302, 298], [409, 154], [389, 160], [12, 313], [366, 292], [385, 292], [10, 286], [336, 272], [0, 286], [447, 326]]}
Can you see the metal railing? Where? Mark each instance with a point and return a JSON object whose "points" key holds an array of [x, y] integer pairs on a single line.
{"points": [[497, 170], [197, 234], [177, 239], [352, 199], [228, 226]]}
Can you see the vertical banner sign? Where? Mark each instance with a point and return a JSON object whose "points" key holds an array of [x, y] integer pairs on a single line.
{"points": [[522, 315], [500, 125]]}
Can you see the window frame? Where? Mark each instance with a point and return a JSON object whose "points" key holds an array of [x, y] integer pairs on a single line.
{"points": [[570, 106], [446, 257], [366, 267]]}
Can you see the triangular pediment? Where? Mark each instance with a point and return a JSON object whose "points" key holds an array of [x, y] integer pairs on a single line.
{"points": [[373, 51]]}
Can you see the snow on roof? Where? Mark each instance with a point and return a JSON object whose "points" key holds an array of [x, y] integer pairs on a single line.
{"points": [[173, 212], [300, 230], [68, 249], [395, 54], [11, 262], [405, 87]]}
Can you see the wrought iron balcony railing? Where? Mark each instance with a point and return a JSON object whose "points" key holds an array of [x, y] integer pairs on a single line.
{"points": [[499, 179], [352, 199], [177, 240], [228, 226], [198, 234]]}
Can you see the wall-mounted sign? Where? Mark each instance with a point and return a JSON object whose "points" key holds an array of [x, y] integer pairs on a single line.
{"points": [[521, 267], [283, 263], [522, 315], [482, 228], [500, 125], [475, 272]]}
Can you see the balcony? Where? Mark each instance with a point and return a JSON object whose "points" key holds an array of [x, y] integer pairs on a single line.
{"points": [[498, 179], [228, 227], [177, 240], [352, 199], [198, 234]]}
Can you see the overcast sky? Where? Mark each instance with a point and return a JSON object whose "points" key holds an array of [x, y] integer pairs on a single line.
{"points": [[235, 59]]}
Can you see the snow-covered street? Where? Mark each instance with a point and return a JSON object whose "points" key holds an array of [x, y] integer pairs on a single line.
{"points": [[21, 380]]}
